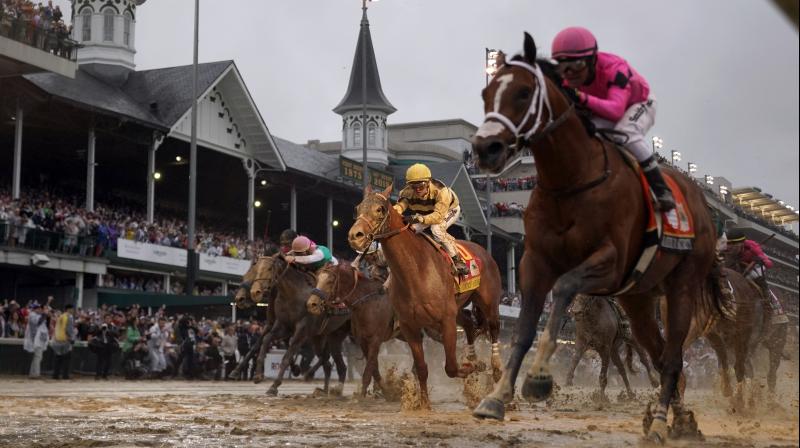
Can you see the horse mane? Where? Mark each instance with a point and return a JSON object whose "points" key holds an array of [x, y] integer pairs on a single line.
{"points": [[550, 71]]}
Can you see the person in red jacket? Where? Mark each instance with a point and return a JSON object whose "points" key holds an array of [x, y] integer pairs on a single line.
{"points": [[756, 263]]}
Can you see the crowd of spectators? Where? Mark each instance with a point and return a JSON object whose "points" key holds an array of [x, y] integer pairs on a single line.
{"points": [[505, 209], [45, 221], [153, 345], [37, 24], [783, 275]]}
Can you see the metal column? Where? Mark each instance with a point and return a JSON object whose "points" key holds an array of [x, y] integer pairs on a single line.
{"points": [[17, 175], [79, 288], [251, 210], [90, 164], [151, 183], [511, 268], [293, 208], [329, 225]]}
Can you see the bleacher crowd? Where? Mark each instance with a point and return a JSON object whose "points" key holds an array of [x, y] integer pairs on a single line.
{"points": [[37, 24], [153, 345]]}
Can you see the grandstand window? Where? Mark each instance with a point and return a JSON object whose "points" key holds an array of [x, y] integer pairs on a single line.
{"points": [[357, 134], [126, 35], [108, 25], [86, 27], [371, 132]]}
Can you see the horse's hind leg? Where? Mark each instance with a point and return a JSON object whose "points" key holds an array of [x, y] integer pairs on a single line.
{"points": [[722, 360], [776, 340], [296, 340], [464, 319], [341, 367], [536, 280], [645, 360], [604, 355], [580, 349], [621, 369]]}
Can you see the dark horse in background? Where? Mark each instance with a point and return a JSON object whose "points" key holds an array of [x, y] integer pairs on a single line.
{"points": [[371, 318], [584, 229], [292, 319], [423, 290], [599, 327]]}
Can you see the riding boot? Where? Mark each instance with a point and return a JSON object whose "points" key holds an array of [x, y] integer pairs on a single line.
{"points": [[718, 276], [772, 305], [458, 262], [652, 173]]}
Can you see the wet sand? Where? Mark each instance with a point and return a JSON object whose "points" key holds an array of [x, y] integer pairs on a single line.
{"points": [[87, 413]]}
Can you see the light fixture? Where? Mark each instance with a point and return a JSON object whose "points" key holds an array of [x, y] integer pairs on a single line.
{"points": [[692, 167], [658, 142], [723, 190], [709, 179], [178, 158], [335, 223], [156, 175], [263, 182], [257, 204]]}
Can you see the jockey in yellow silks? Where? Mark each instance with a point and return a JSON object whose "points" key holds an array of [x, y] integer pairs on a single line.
{"points": [[431, 204]]}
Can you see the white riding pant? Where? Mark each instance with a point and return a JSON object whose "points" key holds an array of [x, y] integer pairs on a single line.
{"points": [[439, 231], [635, 124]]}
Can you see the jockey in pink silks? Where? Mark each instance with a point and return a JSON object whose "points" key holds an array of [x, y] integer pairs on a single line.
{"points": [[617, 96]]}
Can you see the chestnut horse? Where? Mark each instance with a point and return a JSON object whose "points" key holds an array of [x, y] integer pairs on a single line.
{"points": [[371, 318], [422, 287], [584, 229]]}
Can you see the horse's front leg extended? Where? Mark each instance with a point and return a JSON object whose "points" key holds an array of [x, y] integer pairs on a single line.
{"points": [[298, 338], [535, 280], [593, 274]]}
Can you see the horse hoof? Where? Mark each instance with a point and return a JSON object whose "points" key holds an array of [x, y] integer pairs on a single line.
{"points": [[537, 387], [272, 391], [490, 408], [684, 426], [258, 378], [658, 432]]}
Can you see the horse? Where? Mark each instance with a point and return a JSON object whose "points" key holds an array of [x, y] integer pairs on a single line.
{"points": [[598, 326], [584, 229], [422, 288], [372, 316], [293, 287]]}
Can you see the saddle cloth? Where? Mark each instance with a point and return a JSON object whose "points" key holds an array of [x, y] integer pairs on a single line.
{"points": [[467, 282]]}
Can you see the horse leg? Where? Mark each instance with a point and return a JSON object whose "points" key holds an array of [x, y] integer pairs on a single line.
{"points": [[621, 369], [245, 360], [536, 279], [580, 349], [449, 337], [295, 342], [262, 352], [373, 363], [465, 320], [645, 359], [341, 367], [414, 339], [604, 358], [590, 275], [775, 343], [722, 360]]}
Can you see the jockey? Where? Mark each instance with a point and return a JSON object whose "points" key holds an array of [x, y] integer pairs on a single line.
{"points": [[749, 252], [310, 255], [378, 266], [285, 240], [433, 205], [617, 96]]}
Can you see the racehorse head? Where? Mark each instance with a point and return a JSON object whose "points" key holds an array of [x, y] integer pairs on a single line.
{"points": [[516, 105], [242, 295], [325, 289], [372, 218], [268, 271]]}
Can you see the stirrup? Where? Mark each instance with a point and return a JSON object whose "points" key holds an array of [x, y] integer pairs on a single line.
{"points": [[665, 202]]}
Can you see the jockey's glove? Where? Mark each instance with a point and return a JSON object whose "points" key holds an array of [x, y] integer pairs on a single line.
{"points": [[418, 218]]}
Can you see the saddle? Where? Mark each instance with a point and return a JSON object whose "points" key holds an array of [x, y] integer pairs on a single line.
{"points": [[463, 283]]}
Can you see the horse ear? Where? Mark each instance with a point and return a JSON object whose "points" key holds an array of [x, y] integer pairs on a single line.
{"points": [[367, 190], [388, 191], [529, 49]]}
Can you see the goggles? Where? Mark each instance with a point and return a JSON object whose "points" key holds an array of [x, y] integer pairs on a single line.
{"points": [[419, 186], [571, 65]]}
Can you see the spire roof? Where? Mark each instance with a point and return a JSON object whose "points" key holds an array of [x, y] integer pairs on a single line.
{"points": [[375, 98]]}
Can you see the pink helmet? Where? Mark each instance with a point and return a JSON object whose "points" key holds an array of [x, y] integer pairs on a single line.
{"points": [[302, 244], [574, 42]]}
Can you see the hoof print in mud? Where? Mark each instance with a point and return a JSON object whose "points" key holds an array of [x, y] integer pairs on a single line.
{"points": [[537, 387], [490, 408]]}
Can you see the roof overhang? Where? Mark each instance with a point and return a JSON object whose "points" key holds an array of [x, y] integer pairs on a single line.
{"points": [[754, 199], [18, 59], [260, 144], [471, 210]]}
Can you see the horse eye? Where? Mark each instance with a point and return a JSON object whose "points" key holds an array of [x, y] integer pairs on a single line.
{"points": [[524, 94], [381, 209]]}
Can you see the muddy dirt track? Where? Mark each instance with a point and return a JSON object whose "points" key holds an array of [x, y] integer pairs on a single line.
{"points": [[86, 413]]}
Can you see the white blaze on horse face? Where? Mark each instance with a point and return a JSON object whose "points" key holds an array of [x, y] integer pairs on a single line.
{"points": [[504, 81], [489, 129]]}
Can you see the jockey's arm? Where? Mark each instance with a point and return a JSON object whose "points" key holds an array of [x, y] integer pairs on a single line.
{"points": [[611, 108], [308, 259], [443, 200], [401, 205]]}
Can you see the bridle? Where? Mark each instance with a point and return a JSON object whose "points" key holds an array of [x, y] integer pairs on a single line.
{"points": [[275, 276], [539, 104], [337, 297], [371, 235]]}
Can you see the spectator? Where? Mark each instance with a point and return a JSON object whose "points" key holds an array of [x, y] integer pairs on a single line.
{"points": [[229, 342], [156, 341], [62, 343], [36, 336], [103, 344]]}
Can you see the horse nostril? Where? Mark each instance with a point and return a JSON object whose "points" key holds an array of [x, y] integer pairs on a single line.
{"points": [[495, 147], [359, 235]]}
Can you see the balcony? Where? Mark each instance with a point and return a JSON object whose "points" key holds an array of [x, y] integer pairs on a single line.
{"points": [[25, 48]]}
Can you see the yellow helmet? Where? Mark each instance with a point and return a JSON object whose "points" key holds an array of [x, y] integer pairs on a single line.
{"points": [[418, 173]]}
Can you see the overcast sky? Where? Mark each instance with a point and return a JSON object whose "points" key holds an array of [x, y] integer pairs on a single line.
{"points": [[725, 72]]}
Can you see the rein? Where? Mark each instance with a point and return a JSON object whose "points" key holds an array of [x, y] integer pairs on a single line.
{"points": [[341, 299], [371, 236], [276, 278]]}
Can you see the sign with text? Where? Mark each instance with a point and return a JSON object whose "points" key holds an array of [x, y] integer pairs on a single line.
{"points": [[354, 171], [173, 256]]}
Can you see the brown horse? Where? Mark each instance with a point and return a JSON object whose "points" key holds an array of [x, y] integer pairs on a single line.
{"points": [[292, 319], [584, 229], [422, 289], [372, 316], [598, 326]]}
